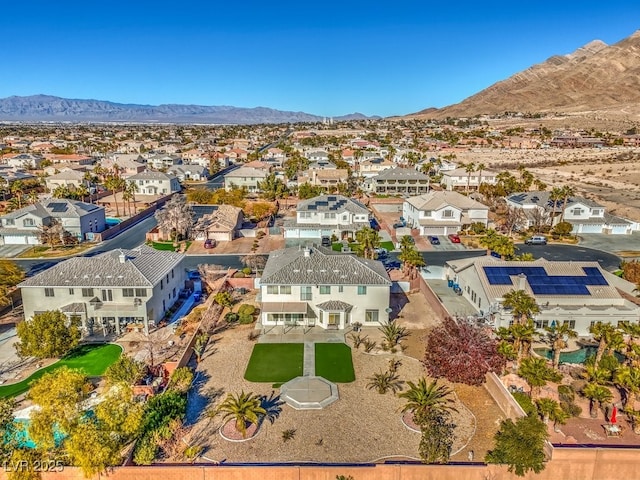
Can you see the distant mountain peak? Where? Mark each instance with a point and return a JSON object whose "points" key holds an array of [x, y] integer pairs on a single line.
{"points": [[594, 78], [50, 108]]}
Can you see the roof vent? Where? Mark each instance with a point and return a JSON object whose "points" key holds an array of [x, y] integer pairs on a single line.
{"points": [[122, 257], [307, 252]]}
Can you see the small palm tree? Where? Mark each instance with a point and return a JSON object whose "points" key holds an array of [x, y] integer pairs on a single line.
{"points": [[536, 373], [470, 168], [393, 333], [384, 381], [627, 378], [200, 345], [549, 409], [598, 395], [555, 336], [244, 408], [523, 305], [422, 398]]}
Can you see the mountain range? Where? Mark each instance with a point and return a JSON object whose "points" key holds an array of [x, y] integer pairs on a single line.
{"points": [[47, 108], [596, 78]]}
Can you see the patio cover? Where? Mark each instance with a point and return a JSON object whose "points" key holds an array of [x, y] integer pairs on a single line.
{"points": [[284, 307], [334, 306]]}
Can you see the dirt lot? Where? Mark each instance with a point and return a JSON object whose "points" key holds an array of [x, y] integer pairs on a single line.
{"points": [[610, 176]]}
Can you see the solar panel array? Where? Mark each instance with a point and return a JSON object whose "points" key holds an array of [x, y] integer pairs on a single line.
{"points": [[543, 284], [57, 207]]}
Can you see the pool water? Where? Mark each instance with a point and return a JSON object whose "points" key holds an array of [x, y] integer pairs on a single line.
{"points": [[112, 222], [576, 356], [22, 436]]}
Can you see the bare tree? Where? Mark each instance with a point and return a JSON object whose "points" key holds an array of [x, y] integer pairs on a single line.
{"points": [[255, 262], [176, 218], [52, 234], [539, 218], [514, 219]]}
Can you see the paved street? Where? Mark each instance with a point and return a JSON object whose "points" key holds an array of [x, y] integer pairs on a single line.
{"points": [[627, 246]]}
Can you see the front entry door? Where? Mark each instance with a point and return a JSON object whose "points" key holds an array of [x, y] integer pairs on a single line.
{"points": [[334, 320]]}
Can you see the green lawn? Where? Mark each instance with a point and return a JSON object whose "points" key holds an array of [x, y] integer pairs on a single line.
{"points": [[93, 360], [333, 362], [389, 246], [275, 362], [167, 246]]}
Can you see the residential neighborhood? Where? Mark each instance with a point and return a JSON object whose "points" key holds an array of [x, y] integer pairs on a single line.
{"points": [[313, 271]]}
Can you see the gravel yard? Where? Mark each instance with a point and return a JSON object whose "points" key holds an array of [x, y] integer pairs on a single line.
{"points": [[363, 426]]}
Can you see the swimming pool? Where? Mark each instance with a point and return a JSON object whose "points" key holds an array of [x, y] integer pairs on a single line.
{"points": [[22, 435], [576, 356], [112, 222]]}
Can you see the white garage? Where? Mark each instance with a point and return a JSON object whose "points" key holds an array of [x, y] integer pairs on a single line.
{"points": [[19, 239]]}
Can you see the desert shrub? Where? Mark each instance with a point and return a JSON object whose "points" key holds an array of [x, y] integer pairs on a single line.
{"points": [[566, 393], [146, 451], [231, 317], [245, 319], [193, 451], [525, 402], [246, 309], [239, 275], [246, 271], [571, 409], [369, 345]]}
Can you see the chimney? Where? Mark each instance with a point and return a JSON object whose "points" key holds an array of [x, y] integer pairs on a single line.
{"points": [[307, 252], [122, 257], [522, 281]]}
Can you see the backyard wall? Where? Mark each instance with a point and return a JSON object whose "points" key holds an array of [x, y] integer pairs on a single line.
{"points": [[430, 296], [567, 463], [113, 231], [505, 401]]}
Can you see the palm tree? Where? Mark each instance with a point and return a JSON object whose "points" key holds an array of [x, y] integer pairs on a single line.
{"points": [[200, 345], [132, 189], [523, 306], [567, 192], [522, 334], [244, 408], [368, 240], [383, 382], [598, 395], [628, 380], [555, 196], [17, 189], [596, 375], [480, 168], [469, 168], [422, 398], [536, 373], [81, 191], [608, 337], [549, 409], [411, 259], [555, 337]]}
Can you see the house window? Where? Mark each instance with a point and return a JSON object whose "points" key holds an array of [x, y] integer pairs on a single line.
{"points": [[576, 211], [285, 289], [427, 213], [371, 316], [447, 214], [174, 292], [172, 274], [340, 289], [541, 323], [325, 289], [272, 289], [571, 323], [305, 293], [127, 292], [329, 216], [71, 292], [9, 221], [305, 214], [362, 290], [141, 292], [87, 292], [28, 222], [48, 292], [161, 284], [107, 296]]}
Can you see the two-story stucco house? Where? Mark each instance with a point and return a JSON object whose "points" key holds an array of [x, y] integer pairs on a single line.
{"points": [[163, 160], [460, 178], [67, 178], [327, 215], [398, 180], [189, 172], [585, 215], [320, 287], [155, 183], [110, 290], [577, 293], [245, 177], [25, 160], [80, 219], [443, 212]]}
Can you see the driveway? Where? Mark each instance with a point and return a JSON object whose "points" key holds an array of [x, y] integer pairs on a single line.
{"points": [[626, 246], [11, 251], [455, 304]]}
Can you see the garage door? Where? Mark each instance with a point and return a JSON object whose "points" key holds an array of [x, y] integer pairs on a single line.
{"points": [[291, 233], [15, 240], [434, 230], [591, 229], [309, 234]]}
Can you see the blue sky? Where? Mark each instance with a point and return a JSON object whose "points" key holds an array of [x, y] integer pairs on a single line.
{"points": [[327, 58]]}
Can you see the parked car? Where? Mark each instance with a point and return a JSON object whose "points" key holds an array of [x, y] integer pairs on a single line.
{"points": [[454, 238], [209, 243], [382, 252], [373, 223], [197, 296], [390, 265], [433, 240], [325, 242], [536, 240]]}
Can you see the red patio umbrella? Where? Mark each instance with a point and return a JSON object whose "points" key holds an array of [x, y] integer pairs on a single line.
{"points": [[614, 414]]}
